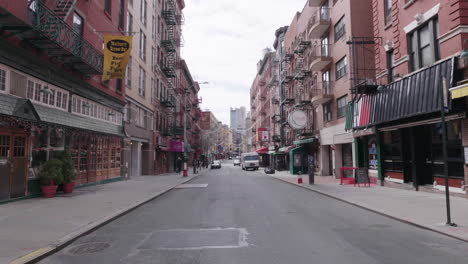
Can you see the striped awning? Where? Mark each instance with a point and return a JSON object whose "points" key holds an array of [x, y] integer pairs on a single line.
{"points": [[417, 94]]}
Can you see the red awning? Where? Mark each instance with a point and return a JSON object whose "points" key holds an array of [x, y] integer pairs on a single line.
{"points": [[262, 150]]}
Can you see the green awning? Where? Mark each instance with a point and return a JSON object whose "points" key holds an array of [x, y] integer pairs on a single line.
{"points": [[305, 141], [295, 149], [284, 149], [349, 116]]}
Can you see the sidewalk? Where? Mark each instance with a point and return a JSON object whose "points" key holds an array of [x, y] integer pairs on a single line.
{"points": [[34, 227], [424, 209]]}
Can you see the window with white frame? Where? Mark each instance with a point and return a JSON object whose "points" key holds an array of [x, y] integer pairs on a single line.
{"points": [[142, 45], [153, 29], [153, 84], [85, 107], [424, 45], [388, 11], [45, 94], [341, 102], [153, 58], [3, 79], [339, 29], [341, 68], [143, 7], [327, 112], [128, 76], [142, 82]]}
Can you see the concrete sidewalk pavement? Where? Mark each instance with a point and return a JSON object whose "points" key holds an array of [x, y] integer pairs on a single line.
{"points": [[423, 209], [35, 227]]}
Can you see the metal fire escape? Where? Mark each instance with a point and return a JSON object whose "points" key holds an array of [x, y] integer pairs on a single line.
{"points": [[171, 43], [63, 8], [286, 78], [301, 73]]}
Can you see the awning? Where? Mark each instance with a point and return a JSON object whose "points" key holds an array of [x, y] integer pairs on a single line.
{"points": [[25, 109], [284, 149], [414, 95], [459, 91], [262, 150], [305, 141], [271, 152]]}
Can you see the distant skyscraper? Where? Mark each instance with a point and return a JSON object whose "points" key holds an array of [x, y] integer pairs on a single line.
{"points": [[238, 119]]}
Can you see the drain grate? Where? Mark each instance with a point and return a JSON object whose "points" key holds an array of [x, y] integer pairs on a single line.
{"points": [[89, 248]]}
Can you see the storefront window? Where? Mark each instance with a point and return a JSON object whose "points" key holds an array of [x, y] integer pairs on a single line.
{"points": [[372, 152], [455, 154], [105, 153], [83, 153]]}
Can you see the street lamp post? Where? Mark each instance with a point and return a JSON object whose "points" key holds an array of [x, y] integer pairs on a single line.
{"points": [[185, 173]]}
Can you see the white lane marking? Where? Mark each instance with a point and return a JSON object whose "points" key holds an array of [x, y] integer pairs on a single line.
{"points": [[183, 186]]}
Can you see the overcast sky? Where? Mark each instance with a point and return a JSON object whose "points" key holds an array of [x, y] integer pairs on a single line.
{"points": [[224, 40]]}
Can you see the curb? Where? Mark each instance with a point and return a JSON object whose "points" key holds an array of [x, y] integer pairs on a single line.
{"points": [[373, 210], [63, 242]]}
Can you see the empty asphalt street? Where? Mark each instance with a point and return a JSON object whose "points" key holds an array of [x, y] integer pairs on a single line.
{"points": [[230, 216]]}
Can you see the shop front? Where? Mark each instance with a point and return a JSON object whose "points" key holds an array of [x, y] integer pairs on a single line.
{"points": [[31, 134]]}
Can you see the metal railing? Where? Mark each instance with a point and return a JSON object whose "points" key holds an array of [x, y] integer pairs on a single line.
{"points": [[322, 16], [320, 50], [48, 24], [322, 88]]}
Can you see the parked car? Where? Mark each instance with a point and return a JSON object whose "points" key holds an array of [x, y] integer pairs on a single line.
{"points": [[216, 164], [237, 162], [250, 161]]}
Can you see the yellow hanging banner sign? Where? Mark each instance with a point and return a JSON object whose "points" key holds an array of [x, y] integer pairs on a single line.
{"points": [[117, 51]]}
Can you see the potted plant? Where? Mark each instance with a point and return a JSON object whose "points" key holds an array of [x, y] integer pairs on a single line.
{"points": [[50, 175], [68, 172]]}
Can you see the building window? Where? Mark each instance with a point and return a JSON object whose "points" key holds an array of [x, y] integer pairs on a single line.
{"points": [[153, 58], [327, 112], [129, 22], [78, 24], [128, 76], [388, 11], [424, 45], [3, 80], [143, 11], [341, 102], [107, 6], [153, 84], [339, 29], [142, 45], [118, 86], [121, 14], [142, 83], [391, 66], [153, 29], [341, 68]]}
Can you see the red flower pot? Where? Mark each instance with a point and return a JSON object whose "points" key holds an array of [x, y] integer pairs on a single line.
{"points": [[68, 187], [48, 191]]}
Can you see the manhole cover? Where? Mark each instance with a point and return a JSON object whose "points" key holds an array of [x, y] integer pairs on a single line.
{"points": [[89, 248], [183, 186]]}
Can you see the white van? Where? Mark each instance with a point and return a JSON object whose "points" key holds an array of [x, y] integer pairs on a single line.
{"points": [[250, 161]]}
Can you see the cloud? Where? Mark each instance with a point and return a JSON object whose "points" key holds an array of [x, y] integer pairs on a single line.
{"points": [[224, 40]]}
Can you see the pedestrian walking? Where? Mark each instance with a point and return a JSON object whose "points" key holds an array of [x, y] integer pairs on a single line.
{"points": [[194, 165]]}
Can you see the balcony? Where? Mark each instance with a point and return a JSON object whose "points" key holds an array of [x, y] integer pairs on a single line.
{"points": [[315, 2], [319, 23], [169, 45], [168, 101], [320, 57], [322, 93], [39, 26], [169, 71]]}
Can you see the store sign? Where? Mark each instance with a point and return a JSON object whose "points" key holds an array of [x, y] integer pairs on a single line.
{"points": [[263, 135], [297, 119], [176, 146], [117, 51]]}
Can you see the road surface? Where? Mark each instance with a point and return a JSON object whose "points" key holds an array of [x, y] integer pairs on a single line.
{"points": [[232, 216]]}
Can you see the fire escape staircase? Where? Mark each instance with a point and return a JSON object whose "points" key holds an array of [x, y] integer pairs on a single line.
{"points": [[64, 8], [301, 73], [46, 30]]}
